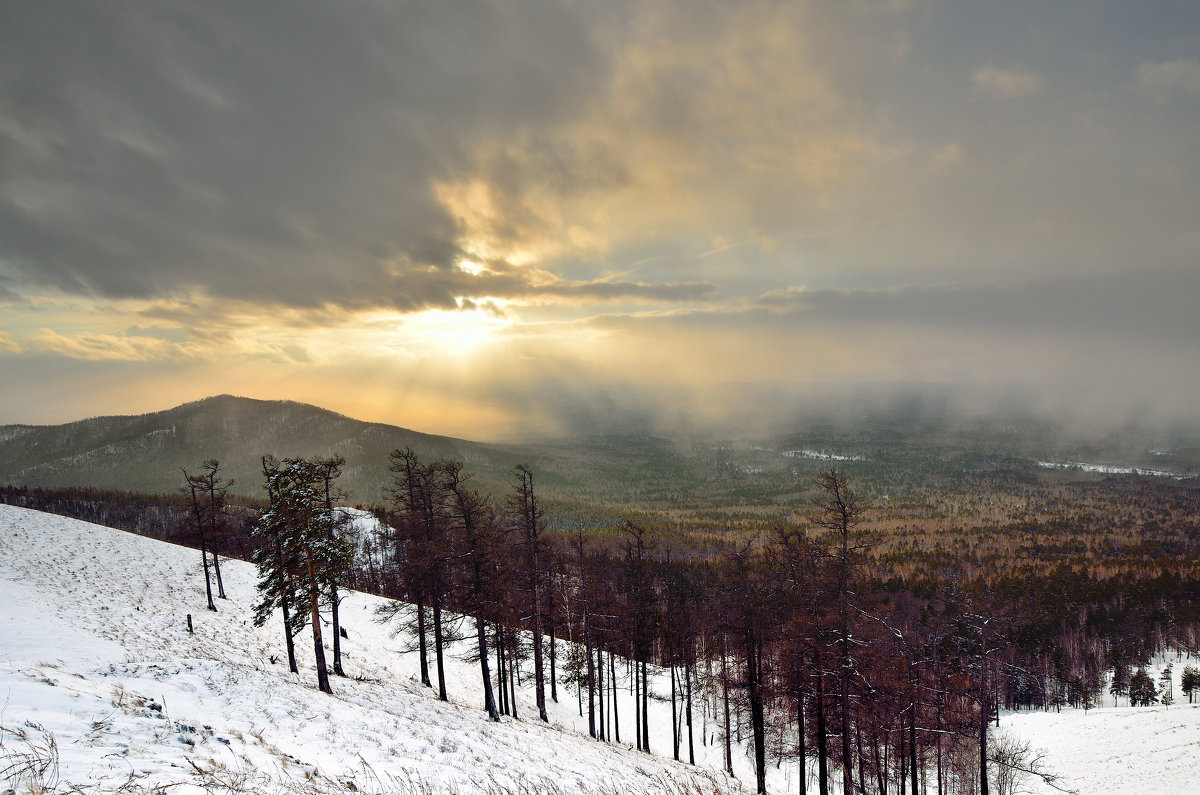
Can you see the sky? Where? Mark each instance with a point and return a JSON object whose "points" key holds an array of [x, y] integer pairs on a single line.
{"points": [[488, 219]]}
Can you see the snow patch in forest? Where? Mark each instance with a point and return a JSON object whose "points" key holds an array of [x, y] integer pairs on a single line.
{"points": [[821, 455], [1109, 469]]}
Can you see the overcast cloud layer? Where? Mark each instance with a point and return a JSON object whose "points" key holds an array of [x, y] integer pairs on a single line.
{"points": [[479, 217]]}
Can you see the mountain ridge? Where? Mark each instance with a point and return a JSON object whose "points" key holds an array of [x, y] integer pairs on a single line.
{"points": [[146, 452]]}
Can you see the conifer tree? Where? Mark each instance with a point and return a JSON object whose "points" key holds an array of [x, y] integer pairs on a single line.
{"points": [[1142, 692], [330, 469], [1190, 681], [310, 555], [1120, 681], [277, 567]]}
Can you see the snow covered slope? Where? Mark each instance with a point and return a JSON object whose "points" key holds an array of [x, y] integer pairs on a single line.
{"points": [[102, 689], [97, 669], [1114, 751]]}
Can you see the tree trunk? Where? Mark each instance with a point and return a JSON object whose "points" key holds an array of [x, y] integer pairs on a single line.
{"points": [[941, 785], [674, 712], [538, 673], [983, 710], [591, 673], [880, 766], [437, 647], [725, 696], [822, 738], [800, 749], [207, 580], [844, 666], [645, 711], [862, 765], [314, 606], [553, 656], [211, 480], [637, 707], [912, 748], [603, 728], [489, 702], [501, 674], [422, 646], [612, 681], [287, 598], [687, 680], [754, 681], [287, 634], [217, 571], [337, 629], [512, 686]]}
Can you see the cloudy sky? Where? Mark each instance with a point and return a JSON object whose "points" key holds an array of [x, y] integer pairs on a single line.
{"points": [[478, 218]]}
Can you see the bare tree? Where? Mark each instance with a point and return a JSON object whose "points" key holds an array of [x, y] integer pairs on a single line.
{"points": [[482, 544], [527, 519], [584, 597], [640, 591], [207, 492], [839, 510]]}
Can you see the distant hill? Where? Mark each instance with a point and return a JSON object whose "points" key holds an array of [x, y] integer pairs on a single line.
{"points": [[590, 479], [145, 452]]}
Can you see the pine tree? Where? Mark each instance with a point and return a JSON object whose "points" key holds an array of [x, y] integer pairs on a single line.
{"points": [[310, 556], [1190, 681], [1120, 681], [1142, 692], [277, 568], [330, 469], [1168, 688]]}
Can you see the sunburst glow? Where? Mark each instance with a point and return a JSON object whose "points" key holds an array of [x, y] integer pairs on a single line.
{"points": [[454, 332]]}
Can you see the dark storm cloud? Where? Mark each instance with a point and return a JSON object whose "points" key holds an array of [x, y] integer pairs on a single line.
{"points": [[264, 151], [969, 194]]}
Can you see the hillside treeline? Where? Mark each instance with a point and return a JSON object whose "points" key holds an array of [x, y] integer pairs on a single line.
{"points": [[816, 640], [166, 517]]}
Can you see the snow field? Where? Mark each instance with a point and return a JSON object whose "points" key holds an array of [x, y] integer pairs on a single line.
{"points": [[1117, 750], [98, 660]]}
